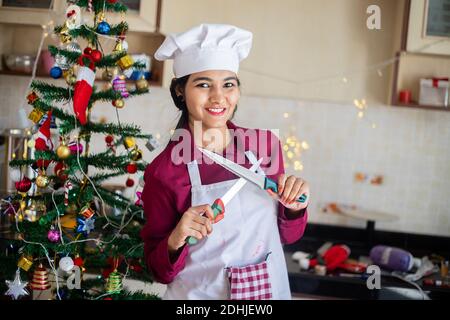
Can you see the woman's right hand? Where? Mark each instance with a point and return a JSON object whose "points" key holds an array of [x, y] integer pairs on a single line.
{"points": [[195, 222]]}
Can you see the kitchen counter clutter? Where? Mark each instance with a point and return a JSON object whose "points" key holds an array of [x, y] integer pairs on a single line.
{"points": [[339, 263]]}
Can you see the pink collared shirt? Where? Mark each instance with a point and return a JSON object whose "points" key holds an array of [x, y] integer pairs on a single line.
{"points": [[167, 194]]}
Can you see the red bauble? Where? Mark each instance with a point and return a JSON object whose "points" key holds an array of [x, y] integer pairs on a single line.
{"points": [[88, 51], [96, 55], [109, 139], [78, 262], [112, 1], [130, 183], [131, 168], [25, 185]]}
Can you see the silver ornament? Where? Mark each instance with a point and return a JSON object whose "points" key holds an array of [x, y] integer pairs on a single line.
{"points": [[73, 47], [62, 62]]}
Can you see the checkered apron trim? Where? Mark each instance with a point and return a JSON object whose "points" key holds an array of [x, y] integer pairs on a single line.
{"points": [[250, 282]]}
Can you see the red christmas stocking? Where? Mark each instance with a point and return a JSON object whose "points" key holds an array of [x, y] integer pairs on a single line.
{"points": [[83, 92]]}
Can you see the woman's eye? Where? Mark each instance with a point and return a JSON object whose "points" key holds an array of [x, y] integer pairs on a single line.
{"points": [[229, 85], [203, 85]]}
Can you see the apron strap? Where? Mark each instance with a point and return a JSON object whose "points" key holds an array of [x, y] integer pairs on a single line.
{"points": [[194, 174], [252, 158]]}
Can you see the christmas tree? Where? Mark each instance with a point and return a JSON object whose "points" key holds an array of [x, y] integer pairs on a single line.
{"points": [[65, 219]]}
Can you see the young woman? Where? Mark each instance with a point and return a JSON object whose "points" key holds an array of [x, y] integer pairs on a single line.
{"points": [[240, 256]]}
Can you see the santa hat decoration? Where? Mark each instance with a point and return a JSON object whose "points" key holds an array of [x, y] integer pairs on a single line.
{"points": [[43, 140], [83, 86]]}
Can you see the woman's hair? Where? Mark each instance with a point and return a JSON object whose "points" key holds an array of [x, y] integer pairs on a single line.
{"points": [[177, 90]]}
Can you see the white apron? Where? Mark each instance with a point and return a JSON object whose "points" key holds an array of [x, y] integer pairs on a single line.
{"points": [[248, 232]]}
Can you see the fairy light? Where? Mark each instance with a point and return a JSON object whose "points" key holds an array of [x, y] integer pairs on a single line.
{"points": [[293, 149], [286, 115]]}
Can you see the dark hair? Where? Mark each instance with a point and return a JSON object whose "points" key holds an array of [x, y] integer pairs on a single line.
{"points": [[177, 91]]}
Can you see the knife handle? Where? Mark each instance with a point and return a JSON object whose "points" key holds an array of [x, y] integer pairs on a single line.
{"points": [[218, 209], [272, 185]]}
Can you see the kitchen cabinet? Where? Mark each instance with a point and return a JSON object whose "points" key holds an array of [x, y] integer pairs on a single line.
{"points": [[424, 54]]}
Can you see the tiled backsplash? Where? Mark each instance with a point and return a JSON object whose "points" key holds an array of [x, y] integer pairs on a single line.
{"points": [[408, 147]]}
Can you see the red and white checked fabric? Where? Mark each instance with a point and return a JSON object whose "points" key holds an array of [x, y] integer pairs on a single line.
{"points": [[250, 282]]}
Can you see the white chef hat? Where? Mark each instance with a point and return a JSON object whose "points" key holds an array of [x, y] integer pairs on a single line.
{"points": [[206, 47]]}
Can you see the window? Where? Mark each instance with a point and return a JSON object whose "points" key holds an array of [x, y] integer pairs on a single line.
{"points": [[438, 18], [39, 4]]}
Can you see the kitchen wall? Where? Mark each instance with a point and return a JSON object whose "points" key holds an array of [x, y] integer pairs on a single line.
{"points": [[303, 49], [409, 147]]}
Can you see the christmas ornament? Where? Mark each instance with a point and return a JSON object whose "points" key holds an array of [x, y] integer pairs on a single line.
{"points": [[40, 279], [120, 85], [42, 181], [120, 46], [63, 152], [79, 262], [64, 34], [56, 72], [62, 62], [43, 140], [24, 185], [142, 84], [131, 168], [135, 154], [66, 264], [103, 27], [16, 288], [139, 201], [73, 47], [74, 18], [75, 148], [36, 115], [67, 187], [129, 142], [96, 55], [119, 103], [25, 262], [87, 212], [85, 226], [114, 283], [83, 87], [32, 98], [53, 235], [126, 62], [129, 182]]}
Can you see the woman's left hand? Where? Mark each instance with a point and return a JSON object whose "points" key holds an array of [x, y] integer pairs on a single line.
{"points": [[290, 188]]}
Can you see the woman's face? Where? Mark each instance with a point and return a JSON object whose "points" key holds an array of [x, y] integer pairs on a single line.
{"points": [[211, 97]]}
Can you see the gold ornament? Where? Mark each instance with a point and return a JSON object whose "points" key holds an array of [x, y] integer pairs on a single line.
{"points": [[25, 262], [142, 84], [125, 62], [119, 103], [129, 142], [36, 115], [63, 152], [42, 181], [64, 35], [136, 154], [119, 47], [70, 77]]}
